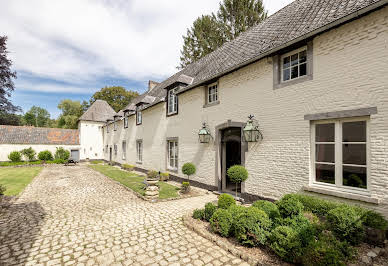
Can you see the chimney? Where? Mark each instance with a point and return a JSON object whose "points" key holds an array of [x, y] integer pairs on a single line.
{"points": [[151, 85]]}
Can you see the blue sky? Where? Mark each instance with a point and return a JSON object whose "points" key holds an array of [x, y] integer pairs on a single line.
{"points": [[70, 49]]}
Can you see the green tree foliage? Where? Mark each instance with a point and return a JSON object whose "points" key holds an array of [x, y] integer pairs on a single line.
{"points": [[116, 96], [61, 154], [71, 111], [45, 155], [7, 118], [37, 116], [209, 32], [28, 153], [15, 156]]}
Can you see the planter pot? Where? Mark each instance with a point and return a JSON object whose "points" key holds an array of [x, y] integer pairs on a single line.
{"points": [[152, 182]]}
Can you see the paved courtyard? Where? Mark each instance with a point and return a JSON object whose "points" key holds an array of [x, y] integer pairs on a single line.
{"points": [[76, 216]]}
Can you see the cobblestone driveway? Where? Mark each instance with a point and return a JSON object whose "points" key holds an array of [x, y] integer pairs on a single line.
{"points": [[74, 215]]}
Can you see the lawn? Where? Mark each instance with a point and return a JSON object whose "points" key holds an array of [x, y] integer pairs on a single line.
{"points": [[134, 181], [16, 179]]}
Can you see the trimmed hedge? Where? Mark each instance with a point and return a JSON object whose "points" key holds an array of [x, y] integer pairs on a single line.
{"points": [[210, 208], [225, 201], [284, 241], [15, 156], [268, 207], [289, 207], [221, 222], [198, 214]]}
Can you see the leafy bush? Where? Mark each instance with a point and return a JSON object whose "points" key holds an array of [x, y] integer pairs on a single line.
{"points": [[304, 228], [28, 153], [15, 156], [346, 224], [237, 174], [285, 242], [62, 154], [128, 167], [327, 250], [235, 210], [188, 169], [2, 189], [164, 176], [45, 155], [252, 227], [59, 161], [225, 201], [268, 207], [198, 214], [210, 208], [35, 162], [289, 207], [153, 175], [185, 188], [314, 204], [221, 222], [374, 220]]}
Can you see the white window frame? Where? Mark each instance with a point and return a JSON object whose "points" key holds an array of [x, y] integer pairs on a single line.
{"points": [[338, 156], [107, 128], [139, 117], [139, 151], [124, 149], [212, 97], [125, 121], [115, 149], [115, 125], [172, 154], [297, 51], [172, 105]]}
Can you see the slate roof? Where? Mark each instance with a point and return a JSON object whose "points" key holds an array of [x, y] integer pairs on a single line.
{"points": [[297, 21], [99, 111], [38, 135]]}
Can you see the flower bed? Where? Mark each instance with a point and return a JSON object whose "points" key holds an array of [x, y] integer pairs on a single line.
{"points": [[299, 229]]}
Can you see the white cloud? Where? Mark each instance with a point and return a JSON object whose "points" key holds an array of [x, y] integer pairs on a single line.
{"points": [[81, 40]]}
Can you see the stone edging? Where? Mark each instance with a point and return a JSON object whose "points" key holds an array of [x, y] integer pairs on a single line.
{"points": [[188, 222]]}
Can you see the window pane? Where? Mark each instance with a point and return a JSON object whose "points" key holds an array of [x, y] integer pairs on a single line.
{"points": [[324, 132], [325, 173], [294, 59], [286, 74], [294, 72], [354, 131], [302, 70], [286, 62], [354, 176], [325, 153], [354, 154], [302, 56]]}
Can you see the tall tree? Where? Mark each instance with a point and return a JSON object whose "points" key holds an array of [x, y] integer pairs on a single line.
{"points": [[10, 119], [37, 116], [210, 32], [116, 96], [71, 111], [6, 79]]}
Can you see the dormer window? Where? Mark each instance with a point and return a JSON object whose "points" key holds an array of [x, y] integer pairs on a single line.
{"points": [[115, 125], [294, 64], [172, 102], [125, 120], [139, 118]]}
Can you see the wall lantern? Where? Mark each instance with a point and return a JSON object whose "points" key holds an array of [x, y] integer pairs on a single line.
{"points": [[251, 131], [204, 134]]}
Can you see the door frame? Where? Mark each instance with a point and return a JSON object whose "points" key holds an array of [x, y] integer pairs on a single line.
{"points": [[220, 177]]}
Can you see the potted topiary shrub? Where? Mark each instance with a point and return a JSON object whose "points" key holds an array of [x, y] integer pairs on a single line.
{"points": [[188, 169], [237, 174], [152, 177], [164, 176]]}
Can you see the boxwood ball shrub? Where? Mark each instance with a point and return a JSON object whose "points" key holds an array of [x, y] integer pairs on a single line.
{"points": [[252, 227], [225, 201], [268, 207], [235, 210], [45, 155], [62, 154], [305, 229], [237, 174], [185, 187], [314, 204], [210, 208], [346, 224], [188, 169], [285, 242], [289, 207], [28, 153], [198, 214], [221, 222], [15, 156]]}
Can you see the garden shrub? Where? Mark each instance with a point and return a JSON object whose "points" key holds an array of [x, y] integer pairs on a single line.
{"points": [[28, 153], [15, 156], [235, 210], [188, 169], [62, 154], [128, 167], [346, 224], [225, 201], [237, 174], [252, 227], [268, 207], [303, 227], [164, 176], [285, 242], [198, 214], [314, 204], [59, 161], [185, 188], [2, 189], [45, 155], [289, 207], [327, 250], [374, 220], [210, 208], [152, 175], [221, 222]]}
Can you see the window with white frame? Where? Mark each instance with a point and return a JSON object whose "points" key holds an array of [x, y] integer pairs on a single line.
{"points": [[139, 118], [115, 125], [212, 93], [125, 121], [124, 149], [340, 152], [115, 149], [139, 151], [172, 160], [107, 128], [172, 103], [294, 64]]}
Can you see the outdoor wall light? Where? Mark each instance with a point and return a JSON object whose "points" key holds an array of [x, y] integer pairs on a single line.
{"points": [[204, 134], [251, 131]]}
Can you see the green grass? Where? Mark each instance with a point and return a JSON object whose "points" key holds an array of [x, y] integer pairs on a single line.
{"points": [[134, 181], [96, 162], [16, 179]]}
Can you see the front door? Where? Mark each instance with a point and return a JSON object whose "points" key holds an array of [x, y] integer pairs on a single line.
{"points": [[110, 154], [231, 155]]}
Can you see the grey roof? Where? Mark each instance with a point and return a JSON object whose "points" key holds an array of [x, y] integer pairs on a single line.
{"points": [[99, 111], [38, 135], [294, 23]]}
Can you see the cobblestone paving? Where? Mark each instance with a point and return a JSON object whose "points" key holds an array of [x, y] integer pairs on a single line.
{"points": [[76, 216]]}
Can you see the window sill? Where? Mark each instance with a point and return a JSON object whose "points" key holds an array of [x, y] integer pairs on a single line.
{"points": [[282, 84], [174, 170], [353, 195], [211, 104], [139, 162], [172, 114]]}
